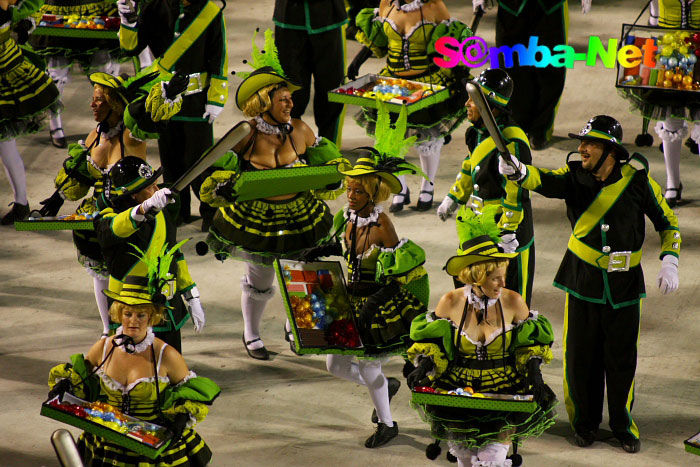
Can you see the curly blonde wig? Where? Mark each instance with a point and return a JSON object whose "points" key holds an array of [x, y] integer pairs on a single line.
{"points": [[114, 100], [377, 192], [261, 101], [156, 313], [476, 273]]}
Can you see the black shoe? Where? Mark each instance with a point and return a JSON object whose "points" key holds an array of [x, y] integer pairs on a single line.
{"points": [[425, 205], [59, 142], [673, 200], [396, 207], [539, 142], [382, 435], [289, 337], [692, 145], [584, 438], [258, 354], [19, 212], [629, 443], [393, 386]]}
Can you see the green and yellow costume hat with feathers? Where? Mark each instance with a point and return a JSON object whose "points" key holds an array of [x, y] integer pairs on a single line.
{"points": [[128, 88], [154, 289], [268, 70], [386, 158], [478, 238]]}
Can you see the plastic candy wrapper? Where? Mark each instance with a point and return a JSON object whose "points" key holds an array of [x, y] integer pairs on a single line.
{"points": [[109, 422], [318, 307]]}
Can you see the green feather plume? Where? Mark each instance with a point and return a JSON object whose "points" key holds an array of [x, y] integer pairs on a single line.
{"points": [[158, 265], [470, 225], [391, 140], [269, 56]]}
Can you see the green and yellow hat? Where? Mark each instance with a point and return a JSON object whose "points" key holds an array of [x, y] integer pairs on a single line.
{"points": [[603, 129], [475, 250], [257, 80], [496, 85], [110, 81], [135, 291], [128, 88], [367, 166], [131, 175]]}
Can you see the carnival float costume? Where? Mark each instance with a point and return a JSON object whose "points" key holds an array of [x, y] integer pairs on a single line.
{"points": [[127, 99], [387, 283], [259, 230], [178, 405], [506, 362], [414, 51], [671, 109], [479, 184], [26, 93]]}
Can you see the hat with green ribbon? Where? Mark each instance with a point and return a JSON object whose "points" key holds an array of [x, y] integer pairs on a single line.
{"points": [[157, 287], [603, 129], [131, 175], [268, 70], [387, 156], [478, 236]]}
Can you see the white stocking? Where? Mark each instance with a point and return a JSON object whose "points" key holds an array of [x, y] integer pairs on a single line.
{"points": [[462, 453], [100, 284], [257, 289], [14, 168], [367, 373], [102, 61], [400, 197], [493, 455], [429, 154], [59, 71], [672, 131]]}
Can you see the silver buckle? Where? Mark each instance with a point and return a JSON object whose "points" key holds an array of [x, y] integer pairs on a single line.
{"points": [[476, 204], [195, 84], [619, 261]]}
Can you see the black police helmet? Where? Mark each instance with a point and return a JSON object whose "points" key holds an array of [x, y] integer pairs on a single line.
{"points": [[604, 129], [497, 86]]}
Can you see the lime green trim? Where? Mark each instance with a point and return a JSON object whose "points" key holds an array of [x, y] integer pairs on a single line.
{"points": [[494, 96], [571, 408], [579, 296], [188, 37], [188, 119]]}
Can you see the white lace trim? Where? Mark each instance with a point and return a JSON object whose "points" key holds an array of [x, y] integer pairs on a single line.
{"points": [[103, 171], [373, 217], [407, 7], [141, 346], [671, 135], [266, 128], [474, 301], [112, 132], [317, 142], [189, 376], [401, 243]]}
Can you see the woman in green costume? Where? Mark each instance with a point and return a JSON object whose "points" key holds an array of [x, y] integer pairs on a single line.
{"points": [[481, 338], [406, 33], [142, 376]]}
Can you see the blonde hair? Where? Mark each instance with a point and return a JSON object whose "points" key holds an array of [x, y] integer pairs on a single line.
{"points": [[261, 101], [114, 100], [377, 191], [476, 273], [156, 313]]}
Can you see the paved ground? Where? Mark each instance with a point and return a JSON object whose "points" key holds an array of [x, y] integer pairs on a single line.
{"points": [[290, 411]]}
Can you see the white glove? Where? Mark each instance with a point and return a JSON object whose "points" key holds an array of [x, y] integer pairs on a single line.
{"points": [[211, 111], [586, 6], [668, 276], [476, 4], [157, 202], [197, 313], [446, 208], [509, 171], [127, 12], [509, 243]]}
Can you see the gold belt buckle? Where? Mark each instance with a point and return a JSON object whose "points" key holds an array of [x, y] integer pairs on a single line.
{"points": [[195, 84], [476, 204], [619, 261]]}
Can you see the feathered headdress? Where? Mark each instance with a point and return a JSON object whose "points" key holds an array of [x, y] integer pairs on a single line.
{"points": [[268, 70], [387, 155], [478, 238]]}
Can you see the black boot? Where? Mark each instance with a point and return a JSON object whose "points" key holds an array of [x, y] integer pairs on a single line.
{"points": [[18, 212], [382, 435]]}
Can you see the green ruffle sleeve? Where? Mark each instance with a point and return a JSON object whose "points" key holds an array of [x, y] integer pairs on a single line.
{"points": [[73, 179], [26, 8], [77, 372], [432, 338], [403, 263], [207, 192], [193, 397], [228, 161], [452, 28], [325, 152], [370, 32], [532, 338]]}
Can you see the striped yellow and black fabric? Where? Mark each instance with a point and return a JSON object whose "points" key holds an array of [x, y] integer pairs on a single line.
{"points": [[25, 91], [270, 228], [190, 450]]}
